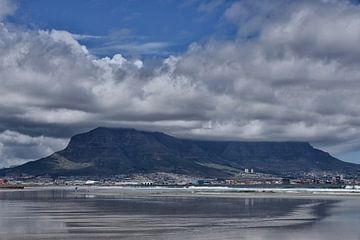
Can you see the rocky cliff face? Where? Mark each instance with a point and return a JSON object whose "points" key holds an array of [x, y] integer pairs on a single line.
{"points": [[107, 151]]}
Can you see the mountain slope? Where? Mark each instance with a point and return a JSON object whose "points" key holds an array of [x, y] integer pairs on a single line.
{"points": [[107, 151]]}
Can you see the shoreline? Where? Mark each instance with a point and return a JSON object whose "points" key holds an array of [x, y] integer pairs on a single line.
{"points": [[131, 191], [11, 186]]}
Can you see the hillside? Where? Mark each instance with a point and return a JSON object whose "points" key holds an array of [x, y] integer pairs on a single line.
{"points": [[110, 151]]}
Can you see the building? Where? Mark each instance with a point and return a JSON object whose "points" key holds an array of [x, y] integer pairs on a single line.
{"points": [[91, 182], [230, 181], [147, 183], [286, 181], [3, 181]]}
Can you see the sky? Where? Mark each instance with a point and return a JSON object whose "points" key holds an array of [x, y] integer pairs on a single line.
{"points": [[246, 70]]}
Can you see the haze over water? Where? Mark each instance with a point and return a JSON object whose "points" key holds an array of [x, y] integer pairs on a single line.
{"points": [[129, 213]]}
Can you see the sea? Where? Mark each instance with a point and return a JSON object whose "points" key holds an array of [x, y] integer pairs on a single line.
{"points": [[175, 213]]}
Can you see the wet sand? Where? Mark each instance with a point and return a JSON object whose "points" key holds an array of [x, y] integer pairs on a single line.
{"points": [[149, 213]]}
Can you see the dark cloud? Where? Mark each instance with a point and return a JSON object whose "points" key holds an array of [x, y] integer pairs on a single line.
{"points": [[290, 74]]}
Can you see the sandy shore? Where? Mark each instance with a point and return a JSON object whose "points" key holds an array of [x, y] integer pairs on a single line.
{"points": [[228, 192]]}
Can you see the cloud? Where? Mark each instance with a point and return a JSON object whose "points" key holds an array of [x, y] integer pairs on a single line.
{"points": [[7, 8], [291, 73], [210, 6], [144, 48], [17, 148], [85, 36]]}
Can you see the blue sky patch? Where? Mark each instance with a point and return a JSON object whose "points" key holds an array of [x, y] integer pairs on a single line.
{"points": [[130, 27]]}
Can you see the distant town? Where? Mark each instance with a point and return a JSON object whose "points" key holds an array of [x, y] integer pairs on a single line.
{"points": [[248, 177]]}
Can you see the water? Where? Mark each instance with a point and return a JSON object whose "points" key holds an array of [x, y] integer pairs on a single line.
{"points": [[130, 213]]}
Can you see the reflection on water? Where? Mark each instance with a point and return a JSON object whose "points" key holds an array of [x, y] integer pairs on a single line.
{"points": [[149, 214]]}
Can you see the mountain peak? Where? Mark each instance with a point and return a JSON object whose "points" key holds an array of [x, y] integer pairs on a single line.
{"points": [[110, 151]]}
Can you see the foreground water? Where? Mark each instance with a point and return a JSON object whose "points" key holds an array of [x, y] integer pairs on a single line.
{"points": [[132, 213]]}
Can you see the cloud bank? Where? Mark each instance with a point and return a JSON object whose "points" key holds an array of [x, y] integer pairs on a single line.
{"points": [[291, 73]]}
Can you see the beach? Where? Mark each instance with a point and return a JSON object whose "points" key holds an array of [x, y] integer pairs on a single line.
{"points": [[168, 213]]}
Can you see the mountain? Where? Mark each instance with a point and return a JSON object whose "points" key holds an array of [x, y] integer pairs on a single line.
{"points": [[110, 151]]}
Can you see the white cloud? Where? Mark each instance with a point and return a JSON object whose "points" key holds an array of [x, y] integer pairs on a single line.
{"points": [[7, 7], [146, 48], [210, 5], [296, 79]]}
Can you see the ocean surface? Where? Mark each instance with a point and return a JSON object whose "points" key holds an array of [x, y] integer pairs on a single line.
{"points": [[156, 213]]}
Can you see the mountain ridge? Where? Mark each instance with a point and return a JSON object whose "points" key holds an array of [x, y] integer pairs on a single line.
{"points": [[111, 151]]}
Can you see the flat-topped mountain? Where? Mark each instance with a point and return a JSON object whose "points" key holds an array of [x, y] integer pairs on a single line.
{"points": [[110, 151]]}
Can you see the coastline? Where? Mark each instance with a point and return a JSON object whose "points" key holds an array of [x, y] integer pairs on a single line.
{"points": [[11, 186], [195, 191]]}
